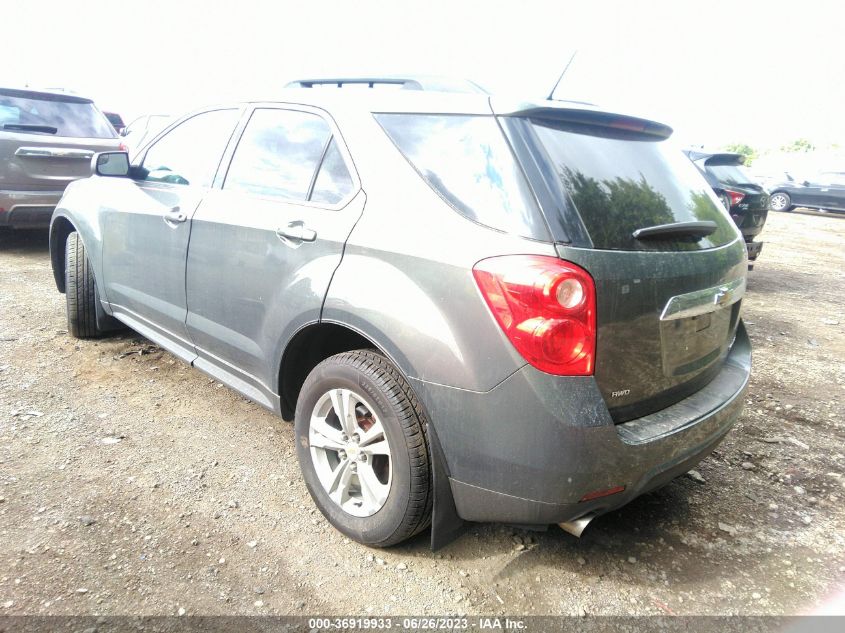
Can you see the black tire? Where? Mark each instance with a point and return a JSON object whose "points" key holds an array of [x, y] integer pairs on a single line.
{"points": [[80, 290], [407, 509], [787, 202]]}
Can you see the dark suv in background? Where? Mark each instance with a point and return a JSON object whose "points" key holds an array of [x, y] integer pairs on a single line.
{"points": [[47, 139], [473, 308], [745, 200]]}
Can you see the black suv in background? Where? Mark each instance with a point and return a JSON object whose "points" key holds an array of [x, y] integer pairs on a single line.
{"points": [[745, 200], [826, 191]]}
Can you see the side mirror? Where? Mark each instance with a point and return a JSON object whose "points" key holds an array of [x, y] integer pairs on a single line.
{"points": [[806, 183], [111, 164]]}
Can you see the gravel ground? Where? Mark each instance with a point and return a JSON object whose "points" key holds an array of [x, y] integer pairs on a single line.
{"points": [[132, 484]]}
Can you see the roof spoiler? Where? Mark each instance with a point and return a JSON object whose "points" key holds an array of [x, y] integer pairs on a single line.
{"points": [[44, 95], [725, 159], [715, 159], [595, 119]]}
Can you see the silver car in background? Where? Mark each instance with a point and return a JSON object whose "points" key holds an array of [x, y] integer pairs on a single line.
{"points": [[47, 140]]}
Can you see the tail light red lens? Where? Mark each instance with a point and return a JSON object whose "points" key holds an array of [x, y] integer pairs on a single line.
{"points": [[123, 147], [546, 307], [735, 196]]}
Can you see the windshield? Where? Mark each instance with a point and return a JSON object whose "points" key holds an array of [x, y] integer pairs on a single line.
{"points": [[619, 183], [55, 115]]}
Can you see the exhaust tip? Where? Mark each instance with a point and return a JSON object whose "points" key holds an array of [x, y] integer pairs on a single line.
{"points": [[577, 527]]}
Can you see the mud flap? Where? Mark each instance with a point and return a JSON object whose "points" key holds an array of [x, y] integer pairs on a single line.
{"points": [[446, 525], [105, 322]]}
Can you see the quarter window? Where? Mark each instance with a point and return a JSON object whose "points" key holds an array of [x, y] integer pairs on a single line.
{"points": [[190, 153], [333, 182], [466, 160]]}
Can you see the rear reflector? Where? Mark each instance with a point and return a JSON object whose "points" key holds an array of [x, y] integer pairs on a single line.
{"points": [[546, 307], [598, 494]]}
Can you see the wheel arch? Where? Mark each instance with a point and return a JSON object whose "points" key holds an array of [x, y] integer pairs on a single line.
{"points": [[317, 341], [60, 228], [308, 347]]}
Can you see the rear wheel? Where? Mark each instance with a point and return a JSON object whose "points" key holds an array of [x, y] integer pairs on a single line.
{"points": [[362, 448], [780, 201], [80, 290]]}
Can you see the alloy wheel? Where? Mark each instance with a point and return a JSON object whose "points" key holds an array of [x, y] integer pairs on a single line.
{"points": [[778, 202], [350, 452]]}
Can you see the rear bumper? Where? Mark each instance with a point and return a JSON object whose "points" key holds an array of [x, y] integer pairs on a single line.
{"points": [[527, 451], [28, 209]]}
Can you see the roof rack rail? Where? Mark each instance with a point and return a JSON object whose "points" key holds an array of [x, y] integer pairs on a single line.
{"points": [[437, 84], [370, 82]]}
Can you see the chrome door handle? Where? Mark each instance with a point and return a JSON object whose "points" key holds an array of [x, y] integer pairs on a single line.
{"points": [[297, 232], [175, 216]]}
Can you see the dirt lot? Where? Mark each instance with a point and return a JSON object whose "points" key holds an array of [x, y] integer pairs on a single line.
{"points": [[132, 484]]}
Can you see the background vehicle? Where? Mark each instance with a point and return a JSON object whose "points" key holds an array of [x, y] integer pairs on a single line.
{"points": [[745, 199], [116, 121], [46, 140], [823, 191], [468, 309], [143, 129]]}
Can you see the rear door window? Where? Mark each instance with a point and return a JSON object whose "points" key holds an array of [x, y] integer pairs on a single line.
{"points": [[468, 162], [620, 182], [190, 153], [54, 115], [836, 179]]}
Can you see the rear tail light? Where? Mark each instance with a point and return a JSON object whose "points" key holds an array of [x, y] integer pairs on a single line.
{"points": [[735, 196], [546, 307], [123, 147]]}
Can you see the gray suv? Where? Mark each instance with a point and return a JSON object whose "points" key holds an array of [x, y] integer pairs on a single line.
{"points": [[47, 140], [473, 309]]}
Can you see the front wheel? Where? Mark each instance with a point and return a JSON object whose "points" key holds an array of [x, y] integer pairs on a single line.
{"points": [[360, 440], [780, 201], [80, 290]]}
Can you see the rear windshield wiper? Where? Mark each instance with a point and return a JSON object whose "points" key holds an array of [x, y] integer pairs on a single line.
{"points": [[26, 127], [676, 229]]}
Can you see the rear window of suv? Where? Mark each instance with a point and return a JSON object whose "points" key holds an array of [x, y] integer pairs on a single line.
{"points": [[620, 181], [467, 161], [54, 115], [730, 174]]}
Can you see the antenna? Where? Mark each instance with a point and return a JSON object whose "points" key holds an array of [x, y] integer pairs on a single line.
{"points": [[568, 64]]}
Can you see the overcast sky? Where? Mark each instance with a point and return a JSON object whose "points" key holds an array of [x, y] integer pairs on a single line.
{"points": [[764, 73]]}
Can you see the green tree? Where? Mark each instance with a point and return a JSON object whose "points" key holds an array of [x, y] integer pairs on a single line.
{"points": [[610, 208], [746, 150], [799, 145]]}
